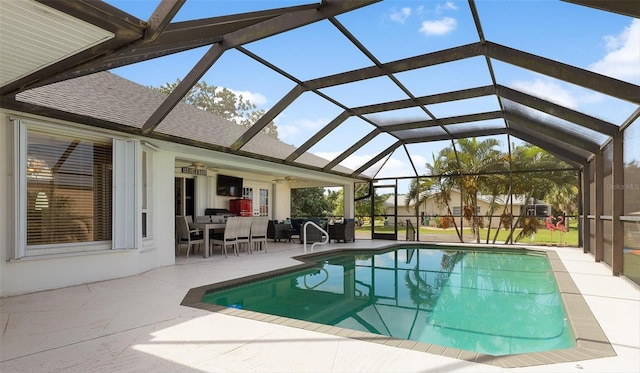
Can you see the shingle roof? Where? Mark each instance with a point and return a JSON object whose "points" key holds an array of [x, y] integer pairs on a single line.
{"points": [[109, 97]]}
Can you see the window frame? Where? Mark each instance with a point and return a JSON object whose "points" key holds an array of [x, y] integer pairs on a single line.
{"points": [[120, 235], [146, 191], [264, 201], [144, 162]]}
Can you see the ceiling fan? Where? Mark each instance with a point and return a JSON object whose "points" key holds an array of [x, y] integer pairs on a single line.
{"points": [[285, 179]]}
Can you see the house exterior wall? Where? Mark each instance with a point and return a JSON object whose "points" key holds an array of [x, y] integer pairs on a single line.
{"points": [[431, 209], [29, 274], [20, 274]]}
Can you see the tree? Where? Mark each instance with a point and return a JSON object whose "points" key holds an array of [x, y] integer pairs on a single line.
{"points": [[476, 158], [308, 202], [363, 196], [537, 177], [478, 168], [463, 165], [418, 192], [336, 199], [529, 184], [223, 102]]}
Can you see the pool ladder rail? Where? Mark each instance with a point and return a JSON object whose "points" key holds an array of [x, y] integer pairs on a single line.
{"points": [[326, 277], [304, 235]]}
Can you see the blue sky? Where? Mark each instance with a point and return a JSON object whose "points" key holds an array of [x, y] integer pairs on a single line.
{"points": [[587, 38]]}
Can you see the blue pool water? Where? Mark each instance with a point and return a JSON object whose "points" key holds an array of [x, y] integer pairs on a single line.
{"points": [[496, 302]]}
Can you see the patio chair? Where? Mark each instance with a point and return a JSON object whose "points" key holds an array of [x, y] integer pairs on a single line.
{"points": [[312, 233], [229, 237], [343, 231], [259, 227], [278, 231], [189, 222], [186, 236], [243, 237]]}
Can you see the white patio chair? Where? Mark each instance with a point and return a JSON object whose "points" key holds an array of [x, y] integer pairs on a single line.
{"points": [[189, 222], [244, 234], [186, 236], [259, 227], [229, 237]]}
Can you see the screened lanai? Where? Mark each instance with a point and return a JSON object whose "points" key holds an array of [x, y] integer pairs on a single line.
{"points": [[372, 90]]}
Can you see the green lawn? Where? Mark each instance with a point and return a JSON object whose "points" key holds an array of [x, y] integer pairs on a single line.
{"points": [[542, 237]]}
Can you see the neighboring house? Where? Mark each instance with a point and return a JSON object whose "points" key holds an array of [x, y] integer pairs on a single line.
{"points": [[99, 203], [430, 208]]}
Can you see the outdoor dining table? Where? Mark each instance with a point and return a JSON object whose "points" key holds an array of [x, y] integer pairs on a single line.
{"points": [[207, 228]]}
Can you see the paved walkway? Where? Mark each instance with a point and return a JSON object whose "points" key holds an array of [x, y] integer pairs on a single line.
{"points": [[136, 324]]}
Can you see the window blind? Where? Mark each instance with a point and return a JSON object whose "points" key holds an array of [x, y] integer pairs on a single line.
{"points": [[69, 189]]}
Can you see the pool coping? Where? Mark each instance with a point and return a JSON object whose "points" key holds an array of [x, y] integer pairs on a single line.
{"points": [[591, 341]]}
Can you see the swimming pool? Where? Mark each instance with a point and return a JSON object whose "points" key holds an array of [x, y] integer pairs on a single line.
{"points": [[495, 302]]}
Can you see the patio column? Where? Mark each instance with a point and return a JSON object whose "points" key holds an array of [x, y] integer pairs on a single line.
{"points": [[599, 207], [202, 197], [618, 205], [348, 201], [281, 201], [585, 208]]}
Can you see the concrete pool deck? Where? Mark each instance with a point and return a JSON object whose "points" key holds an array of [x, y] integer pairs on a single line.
{"points": [[137, 324]]}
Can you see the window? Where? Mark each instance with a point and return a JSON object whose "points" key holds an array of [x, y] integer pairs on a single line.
{"points": [[145, 212], [264, 202], [247, 193], [76, 190], [456, 210], [259, 202], [69, 182]]}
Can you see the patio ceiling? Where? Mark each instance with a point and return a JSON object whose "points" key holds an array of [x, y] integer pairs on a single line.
{"points": [[390, 126]]}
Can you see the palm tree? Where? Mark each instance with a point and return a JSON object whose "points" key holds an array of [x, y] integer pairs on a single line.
{"points": [[478, 167], [543, 185], [418, 192], [563, 195], [442, 184], [478, 158], [500, 186], [424, 293], [464, 164]]}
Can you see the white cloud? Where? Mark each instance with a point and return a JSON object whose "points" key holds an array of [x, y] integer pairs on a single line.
{"points": [[442, 26], [355, 161], [623, 58], [292, 131], [352, 162], [255, 98], [551, 91], [393, 167], [400, 15], [420, 161], [446, 6], [315, 124], [288, 134], [327, 155]]}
